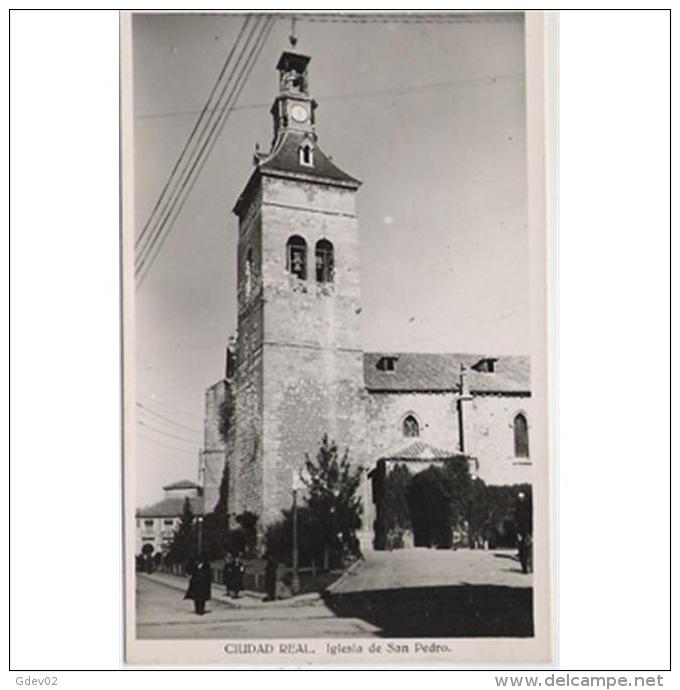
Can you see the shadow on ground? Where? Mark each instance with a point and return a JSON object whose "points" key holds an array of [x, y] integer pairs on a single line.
{"points": [[456, 611]]}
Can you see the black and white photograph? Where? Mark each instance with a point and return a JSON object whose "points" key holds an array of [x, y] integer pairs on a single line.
{"points": [[340, 340], [335, 342]]}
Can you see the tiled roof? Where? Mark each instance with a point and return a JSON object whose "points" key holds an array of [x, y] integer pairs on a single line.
{"points": [[418, 450], [172, 507], [416, 371], [182, 484], [286, 158]]}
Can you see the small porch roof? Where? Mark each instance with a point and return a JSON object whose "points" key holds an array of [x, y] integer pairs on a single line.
{"points": [[414, 449]]}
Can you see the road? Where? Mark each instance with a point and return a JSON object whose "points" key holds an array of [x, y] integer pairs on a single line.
{"points": [[409, 593], [163, 614], [384, 570]]}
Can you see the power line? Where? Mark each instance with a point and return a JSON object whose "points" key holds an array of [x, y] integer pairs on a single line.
{"points": [[148, 410], [210, 142], [179, 184], [407, 18], [170, 446], [193, 132], [397, 91], [190, 166], [166, 433]]}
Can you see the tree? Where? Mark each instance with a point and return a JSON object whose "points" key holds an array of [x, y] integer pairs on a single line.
{"points": [[279, 538], [394, 512], [215, 536], [430, 502], [217, 539], [183, 547], [332, 500], [247, 522], [459, 484]]}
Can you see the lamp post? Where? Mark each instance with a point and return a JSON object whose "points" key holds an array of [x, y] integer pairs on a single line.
{"points": [[199, 519], [295, 585]]}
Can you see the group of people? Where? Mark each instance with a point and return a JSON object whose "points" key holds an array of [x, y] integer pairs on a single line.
{"points": [[200, 580]]}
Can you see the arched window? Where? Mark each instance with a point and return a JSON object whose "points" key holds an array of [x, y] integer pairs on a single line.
{"points": [[410, 427], [324, 262], [306, 155], [296, 257], [521, 433]]}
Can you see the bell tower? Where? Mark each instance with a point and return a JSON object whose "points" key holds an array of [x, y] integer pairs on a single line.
{"points": [[293, 108], [299, 371]]}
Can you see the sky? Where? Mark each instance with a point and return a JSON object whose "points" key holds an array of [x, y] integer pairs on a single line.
{"points": [[429, 115]]}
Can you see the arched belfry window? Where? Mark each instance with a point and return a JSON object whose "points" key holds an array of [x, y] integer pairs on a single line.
{"points": [[296, 257], [307, 155], [410, 427], [324, 262], [521, 434]]}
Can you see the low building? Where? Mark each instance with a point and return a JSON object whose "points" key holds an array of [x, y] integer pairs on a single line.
{"points": [[156, 524]]}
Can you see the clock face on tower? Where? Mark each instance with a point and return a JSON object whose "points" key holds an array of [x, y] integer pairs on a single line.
{"points": [[298, 113]]}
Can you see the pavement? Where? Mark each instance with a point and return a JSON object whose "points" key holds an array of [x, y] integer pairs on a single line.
{"points": [[408, 593], [163, 614], [421, 567], [246, 598]]}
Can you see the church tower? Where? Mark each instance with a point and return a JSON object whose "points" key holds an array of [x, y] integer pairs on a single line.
{"points": [[299, 372]]}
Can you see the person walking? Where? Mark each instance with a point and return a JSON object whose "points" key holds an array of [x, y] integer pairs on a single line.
{"points": [[200, 584], [523, 520], [227, 573], [239, 574], [233, 575]]}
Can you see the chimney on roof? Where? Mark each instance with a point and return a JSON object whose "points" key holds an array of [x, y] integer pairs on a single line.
{"points": [[463, 397], [464, 386], [486, 365]]}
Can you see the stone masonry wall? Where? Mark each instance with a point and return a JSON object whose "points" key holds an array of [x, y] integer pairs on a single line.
{"points": [[488, 428], [435, 412], [214, 453], [489, 437], [307, 393], [245, 479], [312, 359]]}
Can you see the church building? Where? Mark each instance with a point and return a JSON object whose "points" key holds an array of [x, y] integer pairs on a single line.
{"points": [[297, 370]]}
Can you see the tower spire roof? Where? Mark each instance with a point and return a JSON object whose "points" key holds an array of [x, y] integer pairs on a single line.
{"points": [[295, 151]]}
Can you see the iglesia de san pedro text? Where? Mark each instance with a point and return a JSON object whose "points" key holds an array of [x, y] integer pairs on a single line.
{"points": [[297, 370]]}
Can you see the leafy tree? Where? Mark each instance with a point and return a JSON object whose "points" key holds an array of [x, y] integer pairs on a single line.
{"points": [[394, 511], [216, 537], [478, 512], [494, 513], [430, 503], [247, 522], [332, 500], [459, 484], [279, 538], [183, 548]]}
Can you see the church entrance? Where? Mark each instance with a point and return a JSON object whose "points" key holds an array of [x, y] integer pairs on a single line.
{"points": [[430, 512], [411, 504]]}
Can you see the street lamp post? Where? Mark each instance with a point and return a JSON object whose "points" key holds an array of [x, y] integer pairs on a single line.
{"points": [[295, 585], [200, 534]]}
